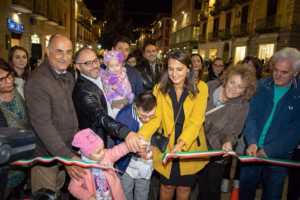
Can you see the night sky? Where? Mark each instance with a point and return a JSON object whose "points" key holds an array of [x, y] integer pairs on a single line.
{"points": [[141, 12]]}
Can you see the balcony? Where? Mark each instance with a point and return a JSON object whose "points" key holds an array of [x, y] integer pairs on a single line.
{"points": [[213, 36], [23, 6], [225, 34], [202, 38], [40, 9], [187, 34], [52, 11], [268, 24], [240, 1], [227, 5], [203, 15], [240, 30], [85, 23], [216, 10]]}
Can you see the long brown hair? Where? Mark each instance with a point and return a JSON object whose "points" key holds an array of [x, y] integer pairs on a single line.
{"points": [[11, 53], [165, 83]]}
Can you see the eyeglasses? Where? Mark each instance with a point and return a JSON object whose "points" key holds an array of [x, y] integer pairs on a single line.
{"points": [[6, 77], [90, 62]]}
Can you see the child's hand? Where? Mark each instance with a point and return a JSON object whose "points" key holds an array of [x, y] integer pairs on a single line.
{"points": [[93, 198]]}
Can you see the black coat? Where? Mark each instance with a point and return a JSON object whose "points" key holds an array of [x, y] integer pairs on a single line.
{"points": [[150, 77], [91, 108], [3, 122]]}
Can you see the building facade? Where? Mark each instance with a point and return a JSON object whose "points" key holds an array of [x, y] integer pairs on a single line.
{"points": [[232, 29], [185, 27], [30, 23], [161, 33]]}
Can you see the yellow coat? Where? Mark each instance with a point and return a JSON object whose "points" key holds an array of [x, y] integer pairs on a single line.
{"points": [[194, 112]]}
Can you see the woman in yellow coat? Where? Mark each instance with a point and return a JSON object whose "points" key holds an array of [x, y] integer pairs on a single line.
{"points": [[177, 88]]}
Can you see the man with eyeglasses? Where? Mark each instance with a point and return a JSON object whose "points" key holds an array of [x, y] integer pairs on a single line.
{"points": [[90, 102], [48, 94]]}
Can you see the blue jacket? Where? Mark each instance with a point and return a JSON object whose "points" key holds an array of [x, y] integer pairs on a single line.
{"points": [[128, 117], [284, 133]]}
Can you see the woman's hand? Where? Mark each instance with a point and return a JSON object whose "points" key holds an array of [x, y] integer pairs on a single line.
{"points": [[178, 147], [227, 146]]}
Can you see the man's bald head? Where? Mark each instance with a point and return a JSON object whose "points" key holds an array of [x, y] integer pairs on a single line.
{"points": [[59, 52]]}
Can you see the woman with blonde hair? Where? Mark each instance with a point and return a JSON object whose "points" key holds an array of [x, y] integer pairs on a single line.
{"points": [[227, 110]]}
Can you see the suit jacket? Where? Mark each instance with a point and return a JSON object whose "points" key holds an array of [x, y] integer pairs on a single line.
{"points": [[85, 188], [91, 108], [51, 111], [150, 77]]}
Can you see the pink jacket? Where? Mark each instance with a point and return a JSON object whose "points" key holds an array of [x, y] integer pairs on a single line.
{"points": [[85, 188]]}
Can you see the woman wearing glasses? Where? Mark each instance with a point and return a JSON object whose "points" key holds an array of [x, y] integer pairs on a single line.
{"points": [[181, 104], [227, 110]]}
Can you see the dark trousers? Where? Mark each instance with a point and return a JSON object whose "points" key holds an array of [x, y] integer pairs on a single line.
{"points": [[210, 179], [294, 179], [154, 186], [271, 177]]}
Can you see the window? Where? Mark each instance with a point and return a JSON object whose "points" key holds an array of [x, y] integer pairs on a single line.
{"points": [[212, 54], [35, 39], [266, 51], [240, 53]]}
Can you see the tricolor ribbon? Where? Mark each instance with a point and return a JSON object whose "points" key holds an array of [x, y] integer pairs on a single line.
{"points": [[245, 159], [65, 161]]}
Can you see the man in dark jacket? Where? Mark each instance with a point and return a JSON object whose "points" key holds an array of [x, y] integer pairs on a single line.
{"points": [[48, 94], [272, 127], [90, 101], [150, 67]]}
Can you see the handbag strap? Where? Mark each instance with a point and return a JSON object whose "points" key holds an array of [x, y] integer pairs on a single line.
{"points": [[176, 118]]}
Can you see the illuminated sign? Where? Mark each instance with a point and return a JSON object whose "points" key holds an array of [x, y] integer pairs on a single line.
{"points": [[14, 26]]}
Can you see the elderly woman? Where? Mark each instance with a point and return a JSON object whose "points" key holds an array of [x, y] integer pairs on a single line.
{"points": [[18, 61], [226, 114], [180, 112], [11, 103]]}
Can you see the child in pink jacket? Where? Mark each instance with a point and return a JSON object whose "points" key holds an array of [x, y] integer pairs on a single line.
{"points": [[97, 184]]}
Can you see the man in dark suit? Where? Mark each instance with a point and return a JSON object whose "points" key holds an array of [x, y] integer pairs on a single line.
{"points": [[150, 67]]}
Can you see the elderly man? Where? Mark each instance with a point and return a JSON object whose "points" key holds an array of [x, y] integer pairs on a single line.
{"points": [[90, 101], [48, 94], [149, 67], [272, 127]]}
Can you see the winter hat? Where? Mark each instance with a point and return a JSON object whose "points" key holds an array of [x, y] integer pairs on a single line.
{"points": [[110, 55], [87, 141]]}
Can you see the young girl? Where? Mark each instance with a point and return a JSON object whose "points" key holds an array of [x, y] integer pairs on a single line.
{"points": [[97, 184], [117, 87]]}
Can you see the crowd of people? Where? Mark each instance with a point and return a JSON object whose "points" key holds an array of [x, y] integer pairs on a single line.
{"points": [[126, 109]]}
